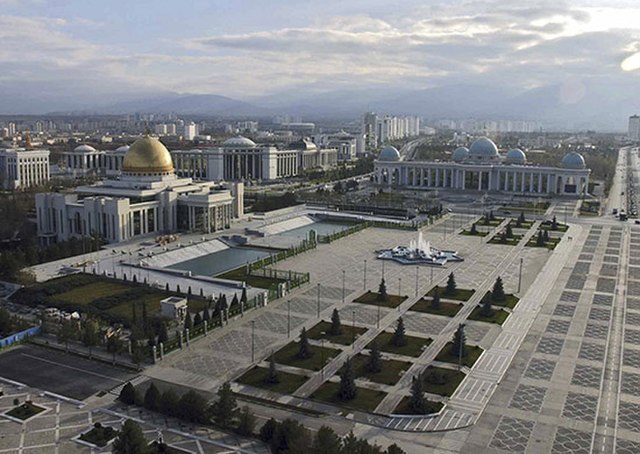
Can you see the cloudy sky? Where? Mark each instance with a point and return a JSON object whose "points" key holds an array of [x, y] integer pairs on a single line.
{"points": [[85, 49]]}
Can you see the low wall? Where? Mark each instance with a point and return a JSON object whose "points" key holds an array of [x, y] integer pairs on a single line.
{"points": [[17, 337]]}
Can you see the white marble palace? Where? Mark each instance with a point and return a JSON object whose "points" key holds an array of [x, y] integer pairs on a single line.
{"points": [[146, 197], [482, 168]]}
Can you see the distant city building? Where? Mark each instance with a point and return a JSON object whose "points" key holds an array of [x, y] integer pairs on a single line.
{"points": [[634, 127], [482, 168], [378, 130], [21, 168], [345, 143], [147, 197], [250, 127], [190, 131]]}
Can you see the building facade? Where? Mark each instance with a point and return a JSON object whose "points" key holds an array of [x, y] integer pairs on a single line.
{"points": [[147, 197], [482, 168], [634, 127], [21, 168]]}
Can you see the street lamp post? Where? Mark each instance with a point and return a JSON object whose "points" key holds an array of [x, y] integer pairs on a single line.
{"points": [[382, 269], [364, 285], [288, 318], [318, 300], [460, 327], [322, 354], [343, 272], [378, 319], [431, 278], [417, 268], [353, 329], [399, 286], [520, 274], [253, 337]]}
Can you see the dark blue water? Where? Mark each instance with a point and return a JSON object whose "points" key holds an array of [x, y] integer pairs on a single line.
{"points": [[221, 261], [321, 228]]}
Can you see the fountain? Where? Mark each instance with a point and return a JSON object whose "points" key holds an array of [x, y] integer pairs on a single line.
{"points": [[419, 252]]}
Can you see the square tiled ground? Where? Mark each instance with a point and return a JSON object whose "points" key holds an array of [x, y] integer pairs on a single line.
{"points": [[580, 406], [630, 383], [528, 398], [606, 285], [571, 441], [512, 434], [564, 310], [602, 300], [629, 416], [596, 330], [591, 351], [558, 326], [586, 376], [571, 297], [550, 345], [540, 369]]}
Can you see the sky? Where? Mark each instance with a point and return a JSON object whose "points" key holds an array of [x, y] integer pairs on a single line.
{"points": [[246, 49]]}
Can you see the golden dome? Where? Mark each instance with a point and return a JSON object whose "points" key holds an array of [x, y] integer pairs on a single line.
{"points": [[147, 155]]}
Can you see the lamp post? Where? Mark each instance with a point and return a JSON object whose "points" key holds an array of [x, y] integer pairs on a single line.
{"points": [[431, 278], [288, 318], [364, 285], [353, 329], [417, 268], [343, 273], [318, 300], [399, 286], [460, 327], [520, 274], [382, 269], [253, 337], [322, 354], [378, 320]]}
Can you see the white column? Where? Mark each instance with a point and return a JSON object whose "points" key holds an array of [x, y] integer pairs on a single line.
{"points": [[530, 182], [480, 181]]}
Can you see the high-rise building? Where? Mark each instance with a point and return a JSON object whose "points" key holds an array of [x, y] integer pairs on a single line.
{"points": [[190, 131], [634, 127]]}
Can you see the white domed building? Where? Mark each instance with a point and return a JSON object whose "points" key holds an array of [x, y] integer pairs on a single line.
{"points": [[83, 160], [481, 167], [146, 198]]}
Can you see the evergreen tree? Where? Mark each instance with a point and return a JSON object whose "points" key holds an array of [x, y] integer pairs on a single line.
{"points": [[399, 338], [546, 236], [474, 230], [451, 285], [166, 287], [336, 326], [235, 301], [486, 219], [68, 331], [90, 336], [491, 215], [225, 408], [169, 403], [114, 346], [243, 297], [435, 299], [503, 237], [206, 316], [152, 398], [304, 349], [347, 390], [145, 320], [509, 231], [382, 291], [197, 320], [540, 239], [350, 443], [458, 346], [395, 449], [521, 218], [188, 323], [271, 377], [191, 407], [497, 294], [246, 422], [134, 314], [418, 404], [290, 437], [163, 333], [487, 308], [178, 288], [137, 355], [326, 441], [554, 224], [130, 440], [128, 394], [374, 363], [268, 430]]}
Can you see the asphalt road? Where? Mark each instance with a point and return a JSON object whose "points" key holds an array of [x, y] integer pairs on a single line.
{"points": [[58, 372]]}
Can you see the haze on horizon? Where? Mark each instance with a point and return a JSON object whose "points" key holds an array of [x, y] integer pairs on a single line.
{"points": [[72, 54]]}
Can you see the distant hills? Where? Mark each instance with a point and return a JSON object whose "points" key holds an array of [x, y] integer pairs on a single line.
{"points": [[597, 104]]}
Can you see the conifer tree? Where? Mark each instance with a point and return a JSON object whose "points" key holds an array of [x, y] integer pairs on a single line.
{"points": [[163, 333], [417, 395], [435, 299], [399, 338], [197, 319], [382, 291], [474, 230], [554, 224], [521, 218], [130, 440], [374, 363], [152, 398], [458, 346], [451, 285], [546, 236], [271, 378], [225, 408], [347, 390], [304, 349], [336, 326], [487, 308], [128, 394], [540, 239], [497, 294], [509, 231]]}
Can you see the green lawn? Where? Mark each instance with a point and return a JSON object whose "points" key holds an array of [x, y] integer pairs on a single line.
{"points": [[561, 227], [414, 347], [492, 223], [345, 338], [287, 385], [438, 380], [551, 244], [366, 399], [404, 407], [446, 356], [389, 375], [510, 241], [288, 355], [79, 295], [25, 411], [510, 301], [461, 294], [447, 309], [370, 297], [498, 316], [239, 274], [478, 233], [99, 436]]}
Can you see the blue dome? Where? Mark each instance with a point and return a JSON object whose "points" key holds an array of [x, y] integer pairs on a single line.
{"points": [[573, 160], [389, 154], [460, 154], [483, 149], [516, 156]]}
